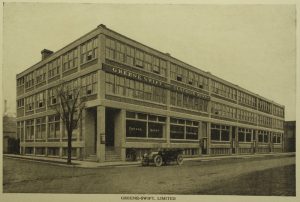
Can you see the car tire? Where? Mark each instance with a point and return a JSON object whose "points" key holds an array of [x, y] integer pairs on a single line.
{"points": [[158, 160], [179, 160]]}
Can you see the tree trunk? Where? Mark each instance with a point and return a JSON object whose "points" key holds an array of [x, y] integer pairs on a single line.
{"points": [[69, 160]]}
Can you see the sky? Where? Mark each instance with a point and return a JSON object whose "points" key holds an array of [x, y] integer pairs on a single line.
{"points": [[253, 46]]}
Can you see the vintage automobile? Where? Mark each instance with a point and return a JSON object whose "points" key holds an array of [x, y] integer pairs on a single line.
{"points": [[163, 156]]}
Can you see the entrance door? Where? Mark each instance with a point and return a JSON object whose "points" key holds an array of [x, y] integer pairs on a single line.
{"points": [[204, 146], [233, 143], [109, 127]]}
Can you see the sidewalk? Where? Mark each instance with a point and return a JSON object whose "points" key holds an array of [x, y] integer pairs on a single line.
{"points": [[88, 164]]}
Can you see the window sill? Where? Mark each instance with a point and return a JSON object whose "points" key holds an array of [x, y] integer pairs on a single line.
{"points": [[143, 138]]}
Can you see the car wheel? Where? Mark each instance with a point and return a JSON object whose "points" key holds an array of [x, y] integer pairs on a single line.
{"points": [[179, 160], [158, 160]]}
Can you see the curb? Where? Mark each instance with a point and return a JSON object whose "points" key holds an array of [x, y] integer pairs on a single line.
{"points": [[80, 164]]}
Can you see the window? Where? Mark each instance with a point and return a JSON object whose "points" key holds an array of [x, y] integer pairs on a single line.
{"points": [[156, 65], [263, 136], [223, 90], [120, 52], [188, 101], [110, 48], [70, 60], [89, 84], [40, 129], [134, 89], [29, 80], [220, 132], [20, 130], [264, 106], [20, 81], [52, 96], [40, 99], [148, 63], [110, 83], [40, 75], [246, 99], [29, 129], [244, 135], [144, 125], [189, 77], [183, 129], [20, 103], [129, 55], [29, 103], [139, 57], [53, 151], [223, 110], [89, 50], [53, 126], [53, 68], [71, 89]]}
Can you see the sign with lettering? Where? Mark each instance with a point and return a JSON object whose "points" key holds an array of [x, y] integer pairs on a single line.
{"points": [[145, 79], [135, 128], [155, 130]]}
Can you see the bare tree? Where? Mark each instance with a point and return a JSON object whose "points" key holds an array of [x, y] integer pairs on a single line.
{"points": [[69, 109]]}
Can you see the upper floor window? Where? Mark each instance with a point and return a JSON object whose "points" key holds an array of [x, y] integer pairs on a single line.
{"points": [[52, 96], [139, 58], [223, 110], [20, 103], [189, 77], [70, 60], [40, 99], [89, 84], [54, 68], [223, 90], [264, 106], [29, 101], [89, 50], [110, 48], [20, 81], [246, 99], [71, 89], [29, 80], [40, 75], [129, 55]]}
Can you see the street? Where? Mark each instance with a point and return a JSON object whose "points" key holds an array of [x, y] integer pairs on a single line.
{"points": [[269, 175]]}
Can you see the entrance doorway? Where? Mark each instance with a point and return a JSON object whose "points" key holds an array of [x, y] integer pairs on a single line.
{"points": [[233, 143], [110, 116], [204, 146]]}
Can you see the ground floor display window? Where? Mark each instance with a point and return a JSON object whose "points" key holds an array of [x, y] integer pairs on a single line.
{"points": [[220, 132], [143, 125], [263, 136], [184, 129], [276, 138], [245, 135]]}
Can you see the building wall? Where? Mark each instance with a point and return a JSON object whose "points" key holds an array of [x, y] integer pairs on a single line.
{"points": [[119, 73]]}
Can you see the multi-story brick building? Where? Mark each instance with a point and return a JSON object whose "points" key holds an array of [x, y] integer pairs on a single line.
{"points": [[140, 98]]}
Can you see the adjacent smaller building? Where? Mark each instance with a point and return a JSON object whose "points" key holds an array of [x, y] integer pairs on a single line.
{"points": [[290, 136], [10, 140]]}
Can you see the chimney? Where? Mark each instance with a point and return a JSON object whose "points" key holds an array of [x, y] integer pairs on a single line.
{"points": [[5, 106], [46, 53]]}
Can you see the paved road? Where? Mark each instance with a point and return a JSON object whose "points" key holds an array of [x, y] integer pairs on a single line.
{"points": [[249, 176]]}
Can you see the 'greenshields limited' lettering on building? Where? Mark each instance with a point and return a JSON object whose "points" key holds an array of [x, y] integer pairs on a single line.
{"points": [[145, 79]]}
